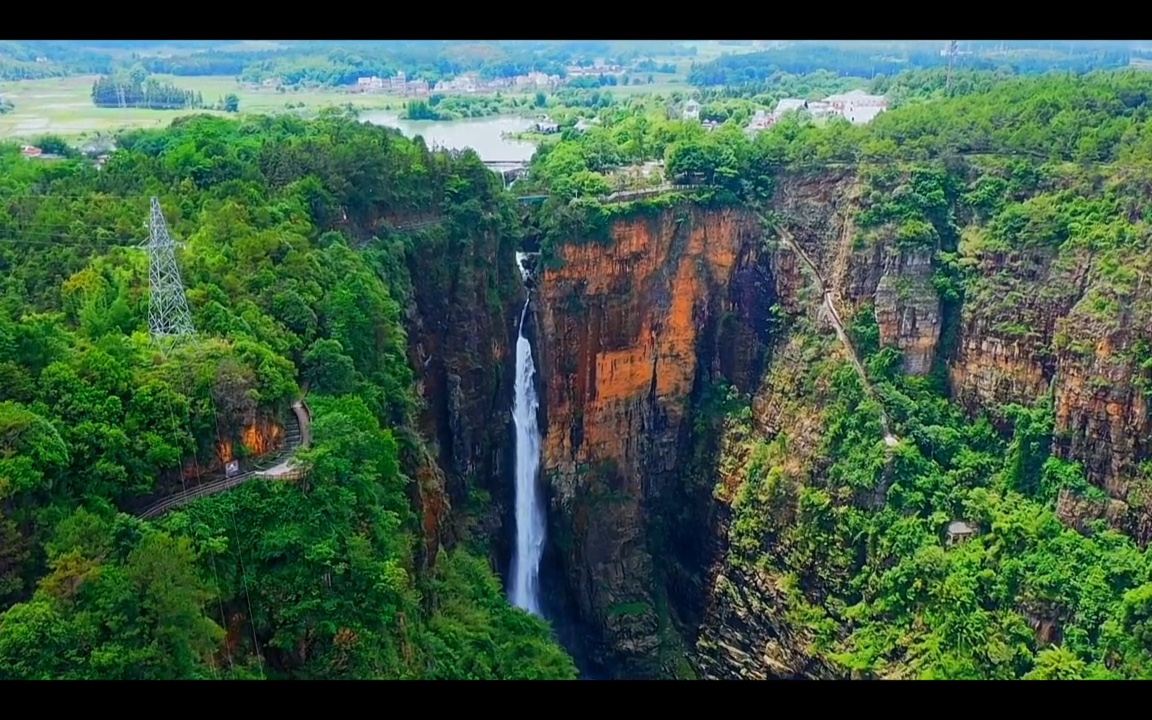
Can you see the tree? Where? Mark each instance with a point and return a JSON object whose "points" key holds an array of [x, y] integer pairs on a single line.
{"points": [[327, 369], [1057, 663], [56, 145], [231, 103]]}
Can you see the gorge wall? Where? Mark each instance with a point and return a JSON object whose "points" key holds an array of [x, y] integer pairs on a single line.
{"points": [[461, 335], [639, 335], [628, 331]]}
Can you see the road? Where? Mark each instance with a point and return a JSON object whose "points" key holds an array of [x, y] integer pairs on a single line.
{"points": [[282, 470]]}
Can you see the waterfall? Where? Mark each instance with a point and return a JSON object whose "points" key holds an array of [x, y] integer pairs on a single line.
{"points": [[525, 590]]}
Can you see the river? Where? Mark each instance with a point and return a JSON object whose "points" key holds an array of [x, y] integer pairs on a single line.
{"points": [[484, 135]]}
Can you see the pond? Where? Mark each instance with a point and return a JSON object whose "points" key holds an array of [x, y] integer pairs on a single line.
{"points": [[484, 135]]}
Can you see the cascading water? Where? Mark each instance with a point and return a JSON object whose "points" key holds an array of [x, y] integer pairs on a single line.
{"points": [[530, 527]]}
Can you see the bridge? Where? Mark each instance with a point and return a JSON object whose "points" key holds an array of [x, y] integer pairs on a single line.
{"points": [[510, 170], [279, 467]]}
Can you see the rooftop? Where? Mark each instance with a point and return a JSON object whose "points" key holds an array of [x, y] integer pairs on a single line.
{"points": [[959, 527], [854, 96]]}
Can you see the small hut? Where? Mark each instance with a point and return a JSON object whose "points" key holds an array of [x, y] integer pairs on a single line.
{"points": [[959, 532]]}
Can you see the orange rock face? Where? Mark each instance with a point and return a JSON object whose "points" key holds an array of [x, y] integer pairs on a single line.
{"points": [[623, 326], [647, 300]]}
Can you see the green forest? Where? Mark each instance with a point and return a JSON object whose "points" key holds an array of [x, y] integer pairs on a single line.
{"points": [[319, 579]]}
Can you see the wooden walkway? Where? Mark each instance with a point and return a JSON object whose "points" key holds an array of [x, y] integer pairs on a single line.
{"points": [[280, 468]]}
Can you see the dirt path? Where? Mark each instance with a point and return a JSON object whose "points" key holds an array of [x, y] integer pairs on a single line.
{"points": [[828, 309]]}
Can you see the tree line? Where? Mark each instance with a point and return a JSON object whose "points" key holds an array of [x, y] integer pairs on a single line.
{"points": [[150, 93]]}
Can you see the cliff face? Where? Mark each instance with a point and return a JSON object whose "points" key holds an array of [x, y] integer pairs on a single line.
{"points": [[1037, 322], [634, 330], [625, 327], [462, 334]]}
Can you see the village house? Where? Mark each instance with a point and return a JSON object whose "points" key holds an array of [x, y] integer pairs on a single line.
{"points": [[34, 153], [597, 70], [691, 110], [760, 121], [369, 84], [819, 108], [789, 105], [545, 127], [857, 107], [533, 79]]}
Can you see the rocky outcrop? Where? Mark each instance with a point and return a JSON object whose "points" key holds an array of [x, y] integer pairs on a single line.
{"points": [[748, 636], [624, 329], [861, 272], [908, 308], [1012, 305]]}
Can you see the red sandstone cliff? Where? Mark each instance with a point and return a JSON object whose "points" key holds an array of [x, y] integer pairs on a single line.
{"points": [[623, 329]]}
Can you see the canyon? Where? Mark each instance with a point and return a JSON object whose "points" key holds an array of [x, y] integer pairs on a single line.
{"points": [[636, 335]]}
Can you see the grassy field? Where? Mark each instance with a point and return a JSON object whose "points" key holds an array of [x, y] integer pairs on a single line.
{"points": [[63, 106]]}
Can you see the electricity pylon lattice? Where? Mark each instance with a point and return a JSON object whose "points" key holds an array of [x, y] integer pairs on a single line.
{"points": [[168, 313]]}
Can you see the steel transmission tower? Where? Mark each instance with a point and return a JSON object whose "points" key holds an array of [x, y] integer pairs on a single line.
{"points": [[168, 314], [951, 59]]}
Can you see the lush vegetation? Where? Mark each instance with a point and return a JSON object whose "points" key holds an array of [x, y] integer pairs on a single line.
{"points": [[868, 62], [853, 532], [1093, 118], [315, 578], [292, 289], [441, 107], [327, 62]]}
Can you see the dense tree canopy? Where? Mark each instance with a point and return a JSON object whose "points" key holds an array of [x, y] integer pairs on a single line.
{"points": [[288, 286]]}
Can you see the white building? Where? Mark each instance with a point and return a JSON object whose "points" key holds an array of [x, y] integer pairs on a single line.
{"points": [[691, 110], [789, 104], [857, 106], [817, 109]]}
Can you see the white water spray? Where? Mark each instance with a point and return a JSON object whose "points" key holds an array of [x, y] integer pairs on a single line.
{"points": [[530, 527]]}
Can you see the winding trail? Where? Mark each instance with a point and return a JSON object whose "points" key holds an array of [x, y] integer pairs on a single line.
{"points": [[828, 310], [298, 436]]}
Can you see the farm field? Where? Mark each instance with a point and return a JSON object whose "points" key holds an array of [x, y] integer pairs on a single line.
{"points": [[63, 106]]}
